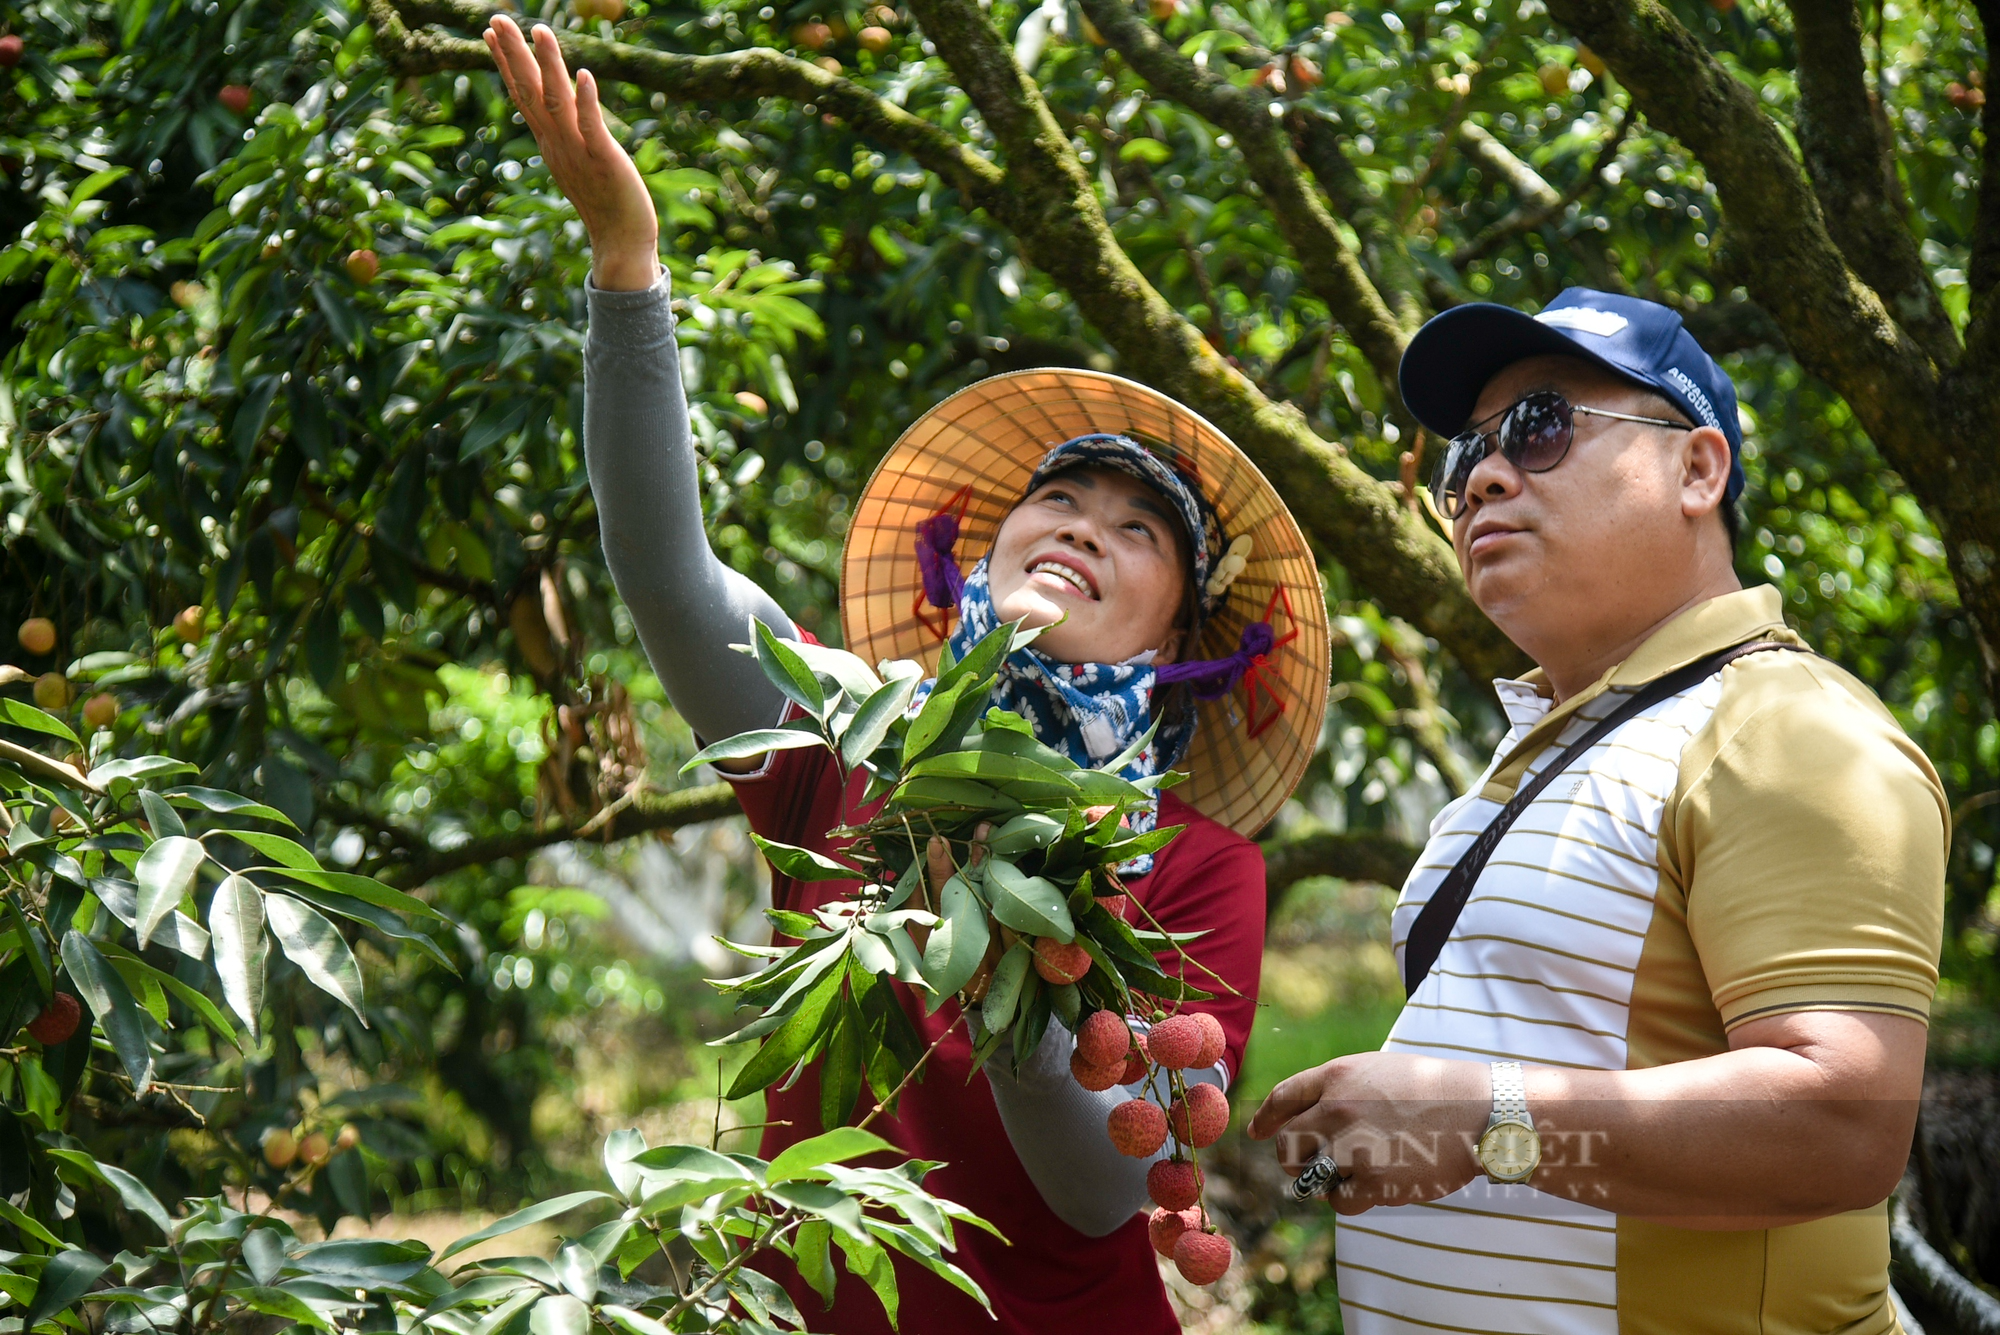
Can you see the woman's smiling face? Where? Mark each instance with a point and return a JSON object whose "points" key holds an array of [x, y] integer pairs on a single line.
{"points": [[1104, 550]]}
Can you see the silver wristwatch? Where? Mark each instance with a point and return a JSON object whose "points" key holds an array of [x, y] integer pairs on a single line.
{"points": [[1510, 1148]]}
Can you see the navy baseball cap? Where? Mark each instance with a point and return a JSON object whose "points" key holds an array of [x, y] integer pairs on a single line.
{"points": [[1453, 356]]}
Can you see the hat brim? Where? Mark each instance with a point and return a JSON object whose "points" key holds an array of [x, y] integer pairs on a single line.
{"points": [[986, 441], [1449, 362]]}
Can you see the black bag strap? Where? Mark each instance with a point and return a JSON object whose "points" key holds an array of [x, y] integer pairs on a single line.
{"points": [[1433, 926]]}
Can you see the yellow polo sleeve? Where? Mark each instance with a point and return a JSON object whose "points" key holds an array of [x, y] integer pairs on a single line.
{"points": [[1809, 835]]}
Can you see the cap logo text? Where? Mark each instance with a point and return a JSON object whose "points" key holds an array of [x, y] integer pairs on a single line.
{"points": [[1696, 398], [1601, 323]]}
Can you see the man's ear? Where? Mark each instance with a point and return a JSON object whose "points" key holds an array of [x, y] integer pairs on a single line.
{"points": [[1705, 468]]}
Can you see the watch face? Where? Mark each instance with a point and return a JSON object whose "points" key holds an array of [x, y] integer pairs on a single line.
{"points": [[1510, 1150]]}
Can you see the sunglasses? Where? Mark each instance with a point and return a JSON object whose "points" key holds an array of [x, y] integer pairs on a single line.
{"points": [[1534, 435]]}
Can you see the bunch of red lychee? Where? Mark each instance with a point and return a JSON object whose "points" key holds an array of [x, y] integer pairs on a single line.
{"points": [[1108, 1053]]}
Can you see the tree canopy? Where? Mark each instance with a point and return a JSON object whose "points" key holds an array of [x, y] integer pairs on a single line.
{"points": [[291, 403]]}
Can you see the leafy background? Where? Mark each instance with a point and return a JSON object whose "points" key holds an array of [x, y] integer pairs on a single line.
{"points": [[371, 487]]}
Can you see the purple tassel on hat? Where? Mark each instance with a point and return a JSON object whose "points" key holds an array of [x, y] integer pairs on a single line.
{"points": [[1213, 678], [944, 582]]}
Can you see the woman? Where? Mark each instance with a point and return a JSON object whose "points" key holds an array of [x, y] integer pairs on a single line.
{"points": [[1123, 545]]}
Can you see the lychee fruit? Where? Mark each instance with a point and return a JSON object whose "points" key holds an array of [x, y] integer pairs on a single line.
{"points": [[316, 1148], [100, 710], [1137, 1128], [1118, 906], [1202, 1258], [1201, 1117], [57, 1021], [38, 635], [188, 624], [752, 401], [51, 692], [1173, 1184], [1135, 1061], [362, 266], [349, 1137], [280, 1147], [1175, 1042], [235, 97], [1166, 1226], [874, 39], [12, 48], [1058, 963], [812, 36], [1093, 1077], [1104, 1039], [1213, 1041]]}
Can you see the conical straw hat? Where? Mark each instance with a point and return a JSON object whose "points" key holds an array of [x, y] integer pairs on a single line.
{"points": [[1253, 745]]}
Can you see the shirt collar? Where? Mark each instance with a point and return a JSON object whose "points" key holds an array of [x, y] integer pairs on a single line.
{"points": [[1718, 623]]}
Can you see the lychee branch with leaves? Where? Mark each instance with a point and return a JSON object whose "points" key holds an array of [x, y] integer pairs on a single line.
{"points": [[984, 868]]}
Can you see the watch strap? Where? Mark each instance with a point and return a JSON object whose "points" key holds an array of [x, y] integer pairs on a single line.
{"points": [[1510, 1091]]}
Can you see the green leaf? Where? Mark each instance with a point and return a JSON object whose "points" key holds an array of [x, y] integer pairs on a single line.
{"points": [[787, 671], [559, 1314], [996, 1011], [627, 1319], [802, 864], [877, 715], [868, 1262], [835, 1146], [828, 1203], [222, 803], [28, 1225], [165, 873], [534, 1214], [285, 852], [842, 1064], [366, 889], [792, 1040], [162, 817], [66, 1278], [991, 767], [1029, 830], [754, 743], [1031, 904], [278, 1303], [317, 947], [236, 935], [922, 794], [956, 946], [932, 719], [811, 1253], [111, 1002], [27, 716]]}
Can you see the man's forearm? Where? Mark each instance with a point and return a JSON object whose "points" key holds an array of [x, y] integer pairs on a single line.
{"points": [[1753, 1138]]}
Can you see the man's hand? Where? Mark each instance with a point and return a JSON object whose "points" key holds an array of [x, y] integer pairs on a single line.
{"points": [[1401, 1128], [588, 165]]}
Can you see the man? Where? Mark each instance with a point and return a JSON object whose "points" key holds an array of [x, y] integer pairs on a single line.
{"points": [[1662, 1070]]}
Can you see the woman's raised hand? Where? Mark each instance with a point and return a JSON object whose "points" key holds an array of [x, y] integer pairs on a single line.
{"points": [[587, 163]]}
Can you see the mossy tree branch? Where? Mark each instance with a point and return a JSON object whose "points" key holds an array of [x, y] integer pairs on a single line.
{"points": [[1330, 267], [1048, 201], [1930, 418], [647, 813], [1847, 153]]}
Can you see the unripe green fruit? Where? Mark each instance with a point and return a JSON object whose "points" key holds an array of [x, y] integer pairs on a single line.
{"points": [[51, 692]]}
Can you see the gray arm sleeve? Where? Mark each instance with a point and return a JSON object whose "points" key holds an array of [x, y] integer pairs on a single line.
{"points": [[687, 606], [1058, 1130]]}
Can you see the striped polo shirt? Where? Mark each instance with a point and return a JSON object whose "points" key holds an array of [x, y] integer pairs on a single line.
{"points": [[1767, 840]]}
